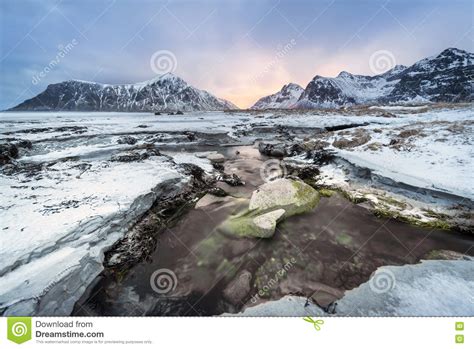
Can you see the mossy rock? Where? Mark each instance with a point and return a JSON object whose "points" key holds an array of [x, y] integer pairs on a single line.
{"points": [[294, 196], [209, 250], [226, 270], [269, 204], [433, 224], [344, 239], [252, 223], [354, 198], [326, 192], [445, 255]]}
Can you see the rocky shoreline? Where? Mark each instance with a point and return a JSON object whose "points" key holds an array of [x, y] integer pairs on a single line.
{"points": [[236, 281], [259, 208]]}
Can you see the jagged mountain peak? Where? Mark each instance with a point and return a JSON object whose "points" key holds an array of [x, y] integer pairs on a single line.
{"points": [[168, 77], [285, 98], [395, 70], [447, 59], [291, 85], [345, 74], [163, 92], [454, 51], [442, 78]]}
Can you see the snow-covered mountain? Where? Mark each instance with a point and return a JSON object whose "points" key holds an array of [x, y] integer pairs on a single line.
{"points": [[166, 92], [446, 77], [285, 98]]}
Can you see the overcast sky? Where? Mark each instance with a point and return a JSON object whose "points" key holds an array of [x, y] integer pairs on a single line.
{"points": [[238, 50]]}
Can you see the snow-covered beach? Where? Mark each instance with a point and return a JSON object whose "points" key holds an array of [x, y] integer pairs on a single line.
{"points": [[86, 178]]}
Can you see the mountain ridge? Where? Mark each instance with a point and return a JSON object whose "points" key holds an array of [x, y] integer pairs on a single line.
{"points": [[166, 92], [445, 77], [286, 97]]}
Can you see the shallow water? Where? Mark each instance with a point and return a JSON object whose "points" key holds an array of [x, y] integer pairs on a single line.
{"points": [[334, 248]]}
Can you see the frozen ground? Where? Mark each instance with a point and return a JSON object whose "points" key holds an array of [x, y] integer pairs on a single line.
{"points": [[59, 223], [70, 202], [431, 288], [81, 185], [435, 152]]}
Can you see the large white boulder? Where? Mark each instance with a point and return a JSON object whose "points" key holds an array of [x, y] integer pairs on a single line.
{"points": [[293, 196]]}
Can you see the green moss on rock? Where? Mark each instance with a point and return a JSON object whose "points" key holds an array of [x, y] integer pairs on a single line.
{"points": [[344, 239], [269, 204], [326, 192]]}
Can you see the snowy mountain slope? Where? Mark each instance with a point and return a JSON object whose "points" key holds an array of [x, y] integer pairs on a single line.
{"points": [[443, 78], [285, 98], [228, 105], [166, 92]]}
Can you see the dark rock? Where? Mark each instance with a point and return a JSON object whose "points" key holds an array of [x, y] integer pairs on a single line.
{"points": [[395, 141], [326, 296], [387, 114], [304, 172], [179, 112], [126, 157], [9, 169], [157, 113], [217, 166], [343, 127], [216, 191], [232, 180], [140, 153], [191, 136], [73, 129], [193, 170], [295, 149], [127, 140], [274, 150], [24, 143], [238, 288], [320, 157], [8, 151]]}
